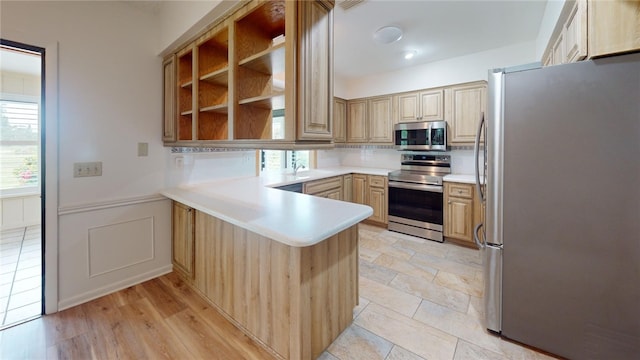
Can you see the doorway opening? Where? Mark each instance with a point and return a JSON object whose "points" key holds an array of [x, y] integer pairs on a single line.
{"points": [[21, 182]]}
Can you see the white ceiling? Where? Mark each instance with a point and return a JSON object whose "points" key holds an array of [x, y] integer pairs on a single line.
{"points": [[437, 30]]}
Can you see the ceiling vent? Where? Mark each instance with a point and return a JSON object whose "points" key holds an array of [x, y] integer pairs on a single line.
{"points": [[348, 4]]}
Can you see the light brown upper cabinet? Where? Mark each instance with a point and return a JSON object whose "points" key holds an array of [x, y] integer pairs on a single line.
{"points": [[380, 119], [594, 28], [420, 106], [212, 86], [575, 33], [169, 99], [614, 26], [464, 105], [558, 51], [370, 120], [339, 120], [261, 77], [315, 75], [357, 121], [185, 120]]}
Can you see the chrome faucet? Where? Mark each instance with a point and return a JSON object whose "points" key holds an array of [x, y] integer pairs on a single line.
{"points": [[297, 166]]}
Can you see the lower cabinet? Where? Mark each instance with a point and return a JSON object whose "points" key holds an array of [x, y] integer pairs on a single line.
{"points": [[347, 188], [362, 189], [359, 195], [461, 212], [183, 244], [371, 190], [377, 198], [331, 188], [295, 301]]}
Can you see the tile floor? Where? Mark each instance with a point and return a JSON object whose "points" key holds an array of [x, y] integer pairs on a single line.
{"points": [[419, 300], [20, 275]]}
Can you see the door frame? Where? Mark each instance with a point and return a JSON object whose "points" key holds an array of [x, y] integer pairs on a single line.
{"points": [[48, 169]]}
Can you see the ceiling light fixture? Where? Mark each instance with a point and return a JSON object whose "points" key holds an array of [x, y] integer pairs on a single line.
{"points": [[408, 55], [388, 34]]}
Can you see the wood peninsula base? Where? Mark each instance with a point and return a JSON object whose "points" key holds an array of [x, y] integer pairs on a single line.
{"points": [[294, 301]]}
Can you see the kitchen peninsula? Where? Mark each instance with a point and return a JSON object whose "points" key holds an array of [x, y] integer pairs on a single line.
{"points": [[282, 266]]}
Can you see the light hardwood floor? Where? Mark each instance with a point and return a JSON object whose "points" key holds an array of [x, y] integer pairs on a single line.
{"points": [[418, 300], [158, 319]]}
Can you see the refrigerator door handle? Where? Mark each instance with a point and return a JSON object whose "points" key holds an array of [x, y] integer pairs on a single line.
{"points": [[482, 243], [476, 154]]}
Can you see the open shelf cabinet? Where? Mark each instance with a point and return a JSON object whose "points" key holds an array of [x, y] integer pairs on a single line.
{"points": [[213, 85], [185, 94], [242, 81], [260, 69]]}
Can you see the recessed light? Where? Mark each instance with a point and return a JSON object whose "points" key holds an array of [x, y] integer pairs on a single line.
{"points": [[388, 34], [408, 55]]}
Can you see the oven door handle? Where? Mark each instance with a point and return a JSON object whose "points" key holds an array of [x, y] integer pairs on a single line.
{"points": [[421, 187]]}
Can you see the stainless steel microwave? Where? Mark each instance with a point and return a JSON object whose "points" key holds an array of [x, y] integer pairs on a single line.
{"points": [[421, 135]]}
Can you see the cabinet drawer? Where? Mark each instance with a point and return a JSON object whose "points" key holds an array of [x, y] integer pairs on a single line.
{"points": [[317, 186], [460, 190], [377, 181], [335, 194]]}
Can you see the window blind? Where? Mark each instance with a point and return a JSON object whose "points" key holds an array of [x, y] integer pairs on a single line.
{"points": [[19, 144]]}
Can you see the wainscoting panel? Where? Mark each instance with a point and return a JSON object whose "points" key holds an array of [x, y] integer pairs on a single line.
{"points": [[106, 244], [103, 249]]}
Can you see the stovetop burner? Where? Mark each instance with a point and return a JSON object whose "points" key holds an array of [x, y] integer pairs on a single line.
{"points": [[422, 169]]}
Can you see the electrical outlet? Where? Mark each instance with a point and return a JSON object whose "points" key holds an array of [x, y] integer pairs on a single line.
{"points": [[179, 162], [85, 169]]}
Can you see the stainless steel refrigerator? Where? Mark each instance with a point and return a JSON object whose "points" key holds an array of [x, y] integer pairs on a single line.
{"points": [[561, 236]]}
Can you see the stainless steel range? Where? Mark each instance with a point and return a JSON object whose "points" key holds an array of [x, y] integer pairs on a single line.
{"points": [[415, 195]]}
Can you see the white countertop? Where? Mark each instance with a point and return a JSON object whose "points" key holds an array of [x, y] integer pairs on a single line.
{"points": [[460, 178], [291, 218]]}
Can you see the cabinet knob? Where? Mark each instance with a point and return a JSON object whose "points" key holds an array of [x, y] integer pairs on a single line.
{"points": [[449, 202]]}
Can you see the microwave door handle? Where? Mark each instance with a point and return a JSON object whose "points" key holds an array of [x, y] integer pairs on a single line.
{"points": [[476, 153]]}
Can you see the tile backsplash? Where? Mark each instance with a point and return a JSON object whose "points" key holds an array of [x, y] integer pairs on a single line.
{"points": [[462, 161], [189, 166]]}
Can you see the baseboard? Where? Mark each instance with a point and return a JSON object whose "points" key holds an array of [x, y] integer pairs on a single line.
{"points": [[106, 290]]}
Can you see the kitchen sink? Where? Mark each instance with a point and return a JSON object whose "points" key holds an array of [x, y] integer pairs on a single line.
{"points": [[297, 187]]}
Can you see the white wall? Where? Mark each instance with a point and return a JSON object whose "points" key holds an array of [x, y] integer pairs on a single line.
{"points": [[109, 91], [446, 72], [181, 20], [193, 168], [549, 19], [462, 69], [114, 230], [371, 157], [462, 161]]}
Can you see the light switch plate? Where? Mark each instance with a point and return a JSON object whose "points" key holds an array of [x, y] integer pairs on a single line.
{"points": [[143, 149], [85, 169]]}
